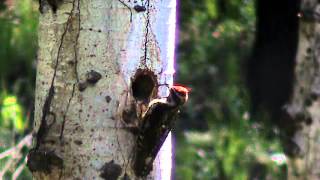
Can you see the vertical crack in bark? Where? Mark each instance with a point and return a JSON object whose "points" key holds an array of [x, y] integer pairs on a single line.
{"points": [[67, 109], [46, 107], [127, 8], [75, 68], [147, 34], [45, 110], [77, 42]]}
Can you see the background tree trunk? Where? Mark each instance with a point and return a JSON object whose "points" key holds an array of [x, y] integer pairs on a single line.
{"points": [[304, 108], [90, 55]]}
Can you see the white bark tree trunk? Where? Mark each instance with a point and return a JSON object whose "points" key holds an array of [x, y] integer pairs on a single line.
{"points": [[303, 143], [91, 52]]}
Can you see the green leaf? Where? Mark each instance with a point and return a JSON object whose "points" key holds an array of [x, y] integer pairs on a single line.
{"points": [[11, 113]]}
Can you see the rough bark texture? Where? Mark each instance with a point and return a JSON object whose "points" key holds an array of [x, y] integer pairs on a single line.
{"points": [[90, 54], [304, 108]]}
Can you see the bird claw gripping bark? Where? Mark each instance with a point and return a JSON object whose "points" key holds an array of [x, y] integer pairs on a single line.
{"points": [[156, 123]]}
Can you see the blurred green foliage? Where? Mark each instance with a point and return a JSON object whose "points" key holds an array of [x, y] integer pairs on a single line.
{"points": [[18, 46], [216, 138], [11, 114], [18, 40]]}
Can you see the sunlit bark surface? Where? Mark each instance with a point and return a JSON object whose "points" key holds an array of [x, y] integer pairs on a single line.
{"points": [[90, 51]]}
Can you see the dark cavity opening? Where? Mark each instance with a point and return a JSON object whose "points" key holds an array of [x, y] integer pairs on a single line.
{"points": [[143, 85]]}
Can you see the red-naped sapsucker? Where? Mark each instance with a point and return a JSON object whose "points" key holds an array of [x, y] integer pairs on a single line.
{"points": [[157, 121]]}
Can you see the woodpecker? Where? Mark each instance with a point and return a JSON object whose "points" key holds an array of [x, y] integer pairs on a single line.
{"points": [[157, 121], [181, 92]]}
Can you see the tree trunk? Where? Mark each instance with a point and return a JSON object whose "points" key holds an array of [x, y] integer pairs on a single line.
{"points": [[303, 145], [100, 63]]}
